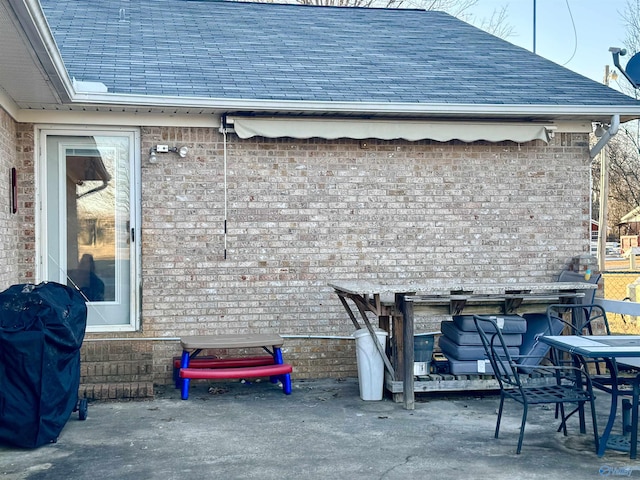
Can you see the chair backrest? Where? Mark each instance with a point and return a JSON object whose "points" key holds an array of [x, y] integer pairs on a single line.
{"points": [[571, 276], [532, 350], [585, 319], [495, 347]]}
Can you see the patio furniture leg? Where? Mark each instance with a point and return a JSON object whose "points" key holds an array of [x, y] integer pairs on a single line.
{"points": [[277, 356], [286, 384], [525, 410], [184, 363], [594, 421], [499, 415], [612, 417], [564, 420], [633, 447], [285, 379]]}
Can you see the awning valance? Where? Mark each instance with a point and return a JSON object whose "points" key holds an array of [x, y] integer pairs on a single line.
{"points": [[412, 130]]}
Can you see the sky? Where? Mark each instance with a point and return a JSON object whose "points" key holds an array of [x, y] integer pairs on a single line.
{"points": [[598, 26]]}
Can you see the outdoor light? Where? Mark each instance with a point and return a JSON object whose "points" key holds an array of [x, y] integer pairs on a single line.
{"points": [[600, 130], [182, 151], [153, 157]]}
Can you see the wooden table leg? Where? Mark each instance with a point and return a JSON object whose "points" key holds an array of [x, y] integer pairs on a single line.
{"points": [[349, 312], [406, 310], [397, 352]]}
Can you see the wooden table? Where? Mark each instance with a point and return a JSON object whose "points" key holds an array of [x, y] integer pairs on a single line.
{"points": [[248, 340], [624, 349], [393, 305]]}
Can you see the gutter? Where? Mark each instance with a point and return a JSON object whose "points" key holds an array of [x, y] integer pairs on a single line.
{"points": [[351, 108], [608, 135]]}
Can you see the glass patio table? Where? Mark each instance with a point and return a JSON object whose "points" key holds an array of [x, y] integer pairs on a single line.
{"points": [[612, 349]]}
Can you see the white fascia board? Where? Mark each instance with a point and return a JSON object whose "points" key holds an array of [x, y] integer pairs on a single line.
{"points": [[130, 119]]}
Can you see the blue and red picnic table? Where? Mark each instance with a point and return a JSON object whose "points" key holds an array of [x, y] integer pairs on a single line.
{"points": [[213, 368]]}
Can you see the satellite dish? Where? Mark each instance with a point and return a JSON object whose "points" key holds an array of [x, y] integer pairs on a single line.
{"points": [[632, 72], [633, 69]]}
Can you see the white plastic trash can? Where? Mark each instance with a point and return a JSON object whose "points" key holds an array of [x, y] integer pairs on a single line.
{"points": [[370, 363]]}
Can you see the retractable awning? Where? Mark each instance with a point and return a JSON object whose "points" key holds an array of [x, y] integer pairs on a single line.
{"points": [[412, 130]]}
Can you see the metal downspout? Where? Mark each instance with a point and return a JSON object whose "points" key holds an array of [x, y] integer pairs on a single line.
{"points": [[613, 129], [604, 188]]}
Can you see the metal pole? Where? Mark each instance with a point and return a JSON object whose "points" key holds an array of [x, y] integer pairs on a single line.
{"points": [[604, 195], [602, 216], [534, 26]]}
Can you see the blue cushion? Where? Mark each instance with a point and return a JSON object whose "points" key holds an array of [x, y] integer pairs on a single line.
{"points": [[467, 352], [532, 351], [510, 323], [462, 337], [463, 367]]}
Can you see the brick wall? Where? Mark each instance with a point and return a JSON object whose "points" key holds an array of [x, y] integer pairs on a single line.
{"points": [[14, 244], [304, 212], [26, 218]]}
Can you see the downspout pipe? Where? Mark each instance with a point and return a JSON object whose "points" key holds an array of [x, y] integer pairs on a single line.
{"points": [[613, 129], [604, 188]]}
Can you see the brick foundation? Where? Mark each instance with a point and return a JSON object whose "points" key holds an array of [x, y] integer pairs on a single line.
{"points": [[112, 370]]}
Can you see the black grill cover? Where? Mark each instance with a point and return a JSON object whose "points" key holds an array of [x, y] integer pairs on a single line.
{"points": [[41, 332]]}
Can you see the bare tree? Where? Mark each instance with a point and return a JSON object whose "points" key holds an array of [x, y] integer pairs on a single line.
{"points": [[454, 7], [624, 176], [631, 17], [624, 149], [496, 25]]}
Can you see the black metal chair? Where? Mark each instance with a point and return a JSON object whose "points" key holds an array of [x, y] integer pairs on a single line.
{"points": [[582, 319], [567, 385]]}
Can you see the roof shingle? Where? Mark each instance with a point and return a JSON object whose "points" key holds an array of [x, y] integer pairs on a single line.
{"points": [[251, 51]]}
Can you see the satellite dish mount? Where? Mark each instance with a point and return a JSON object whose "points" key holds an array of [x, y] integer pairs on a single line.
{"points": [[632, 72]]}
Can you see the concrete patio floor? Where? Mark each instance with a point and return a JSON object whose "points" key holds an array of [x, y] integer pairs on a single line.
{"points": [[323, 430]]}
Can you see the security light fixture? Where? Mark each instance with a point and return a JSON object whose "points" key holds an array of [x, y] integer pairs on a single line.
{"points": [[600, 130], [182, 151], [153, 157]]}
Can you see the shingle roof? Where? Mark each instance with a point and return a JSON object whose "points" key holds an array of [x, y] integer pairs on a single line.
{"points": [[218, 49]]}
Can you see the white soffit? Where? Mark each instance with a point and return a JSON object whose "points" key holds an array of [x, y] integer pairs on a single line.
{"points": [[330, 129], [21, 75]]}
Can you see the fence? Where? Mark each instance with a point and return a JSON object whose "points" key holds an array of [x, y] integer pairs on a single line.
{"points": [[616, 283], [616, 287]]}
